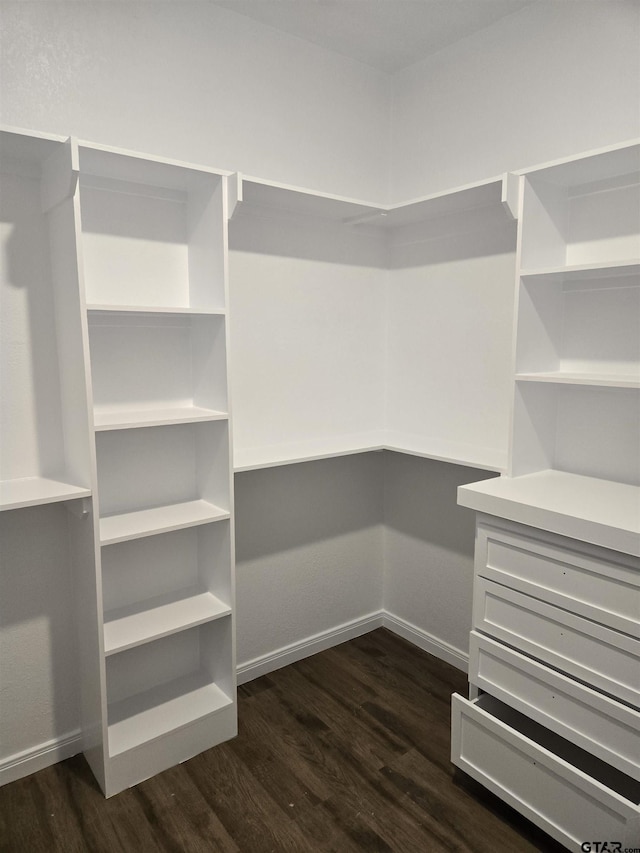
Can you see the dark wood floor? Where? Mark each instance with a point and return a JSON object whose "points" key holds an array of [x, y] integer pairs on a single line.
{"points": [[344, 751]]}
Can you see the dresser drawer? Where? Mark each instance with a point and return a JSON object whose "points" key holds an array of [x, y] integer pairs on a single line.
{"points": [[572, 796], [593, 582], [578, 647], [598, 724]]}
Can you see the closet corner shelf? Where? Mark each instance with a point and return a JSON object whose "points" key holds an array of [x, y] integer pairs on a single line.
{"points": [[123, 527], [154, 713], [132, 626], [457, 453], [153, 309], [34, 491], [602, 380], [583, 272], [589, 509], [270, 456], [137, 418], [261, 194], [249, 459]]}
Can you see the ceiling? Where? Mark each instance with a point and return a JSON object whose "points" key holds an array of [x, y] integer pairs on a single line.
{"points": [[385, 34]]}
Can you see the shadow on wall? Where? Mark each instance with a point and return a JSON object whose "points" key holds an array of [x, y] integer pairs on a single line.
{"points": [[289, 506], [39, 680], [420, 501]]}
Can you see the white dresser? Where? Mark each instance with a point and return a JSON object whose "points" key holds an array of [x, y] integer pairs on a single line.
{"points": [[552, 723]]}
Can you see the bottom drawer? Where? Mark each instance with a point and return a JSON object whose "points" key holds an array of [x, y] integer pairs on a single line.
{"points": [[574, 797]]}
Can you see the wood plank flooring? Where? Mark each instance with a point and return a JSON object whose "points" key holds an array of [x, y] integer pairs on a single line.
{"points": [[345, 751]]}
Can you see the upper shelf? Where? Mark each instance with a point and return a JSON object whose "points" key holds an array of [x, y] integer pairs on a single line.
{"points": [[26, 149], [604, 164], [249, 459], [116, 164], [267, 196], [584, 272], [35, 491]]}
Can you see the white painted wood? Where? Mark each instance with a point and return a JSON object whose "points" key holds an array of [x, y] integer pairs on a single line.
{"points": [[72, 340], [268, 456], [206, 222], [157, 309], [135, 674], [567, 378], [119, 164], [602, 164], [31, 491], [561, 798], [580, 428], [471, 197], [194, 460], [263, 195], [59, 175], [511, 190], [595, 583], [43, 413], [234, 193], [162, 616], [583, 508], [470, 455], [582, 273], [606, 659], [121, 527], [141, 761], [157, 362], [591, 720], [136, 571], [134, 247], [160, 711], [105, 419]]}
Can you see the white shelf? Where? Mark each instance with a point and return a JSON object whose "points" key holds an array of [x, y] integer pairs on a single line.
{"points": [[593, 166], [146, 621], [249, 459], [488, 459], [602, 380], [603, 512], [252, 458], [154, 309], [584, 272], [33, 491], [125, 419], [449, 203], [154, 713], [163, 519], [260, 195]]}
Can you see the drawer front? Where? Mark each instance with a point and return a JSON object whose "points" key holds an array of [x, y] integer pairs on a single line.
{"points": [[594, 583], [566, 802], [607, 729], [596, 655]]}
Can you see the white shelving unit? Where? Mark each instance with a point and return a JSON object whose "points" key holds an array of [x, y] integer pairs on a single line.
{"points": [[336, 268], [555, 646], [160, 675], [43, 418]]}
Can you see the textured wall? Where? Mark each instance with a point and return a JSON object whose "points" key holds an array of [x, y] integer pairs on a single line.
{"points": [[549, 81], [193, 81]]}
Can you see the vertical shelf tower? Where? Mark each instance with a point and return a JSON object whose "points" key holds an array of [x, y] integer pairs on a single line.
{"points": [[154, 260], [553, 719], [115, 400]]}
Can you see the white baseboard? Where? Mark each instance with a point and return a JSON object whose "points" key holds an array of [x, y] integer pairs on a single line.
{"points": [[425, 641], [307, 647], [41, 756], [38, 757]]}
